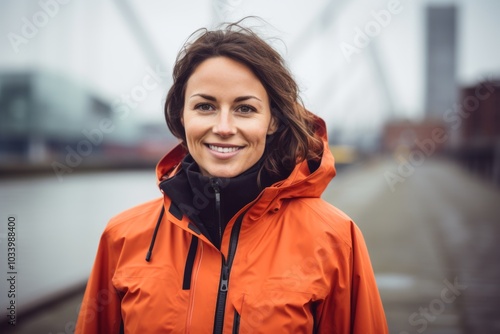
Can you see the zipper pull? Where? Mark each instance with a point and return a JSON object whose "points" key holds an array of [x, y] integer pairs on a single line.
{"points": [[215, 185], [224, 278]]}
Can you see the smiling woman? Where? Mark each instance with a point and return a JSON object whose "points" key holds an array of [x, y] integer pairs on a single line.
{"points": [[226, 117], [242, 240]]}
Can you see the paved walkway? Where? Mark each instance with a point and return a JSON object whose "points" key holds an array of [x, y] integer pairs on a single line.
{"points": [[434, 244]]}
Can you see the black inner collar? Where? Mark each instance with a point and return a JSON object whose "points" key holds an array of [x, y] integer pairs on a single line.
{"points": [[192, 192]]}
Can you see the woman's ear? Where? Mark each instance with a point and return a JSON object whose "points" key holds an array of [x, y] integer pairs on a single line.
{"points": [[273, 126]]}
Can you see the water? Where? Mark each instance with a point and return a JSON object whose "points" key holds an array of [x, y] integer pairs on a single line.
{"points": [[59, 225]]}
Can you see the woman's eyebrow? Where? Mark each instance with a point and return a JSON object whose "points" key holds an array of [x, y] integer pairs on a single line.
{"points": [[212, 98], [205, 96], [247, 97]]}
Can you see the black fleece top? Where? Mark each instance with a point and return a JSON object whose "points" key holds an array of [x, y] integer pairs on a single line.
{"points": [[194, 194]]}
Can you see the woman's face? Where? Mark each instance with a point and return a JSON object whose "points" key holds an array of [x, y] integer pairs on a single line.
{"points": [[226, 117]]}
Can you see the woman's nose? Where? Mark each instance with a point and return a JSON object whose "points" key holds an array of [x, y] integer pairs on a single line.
{"points": [[224, 124]]}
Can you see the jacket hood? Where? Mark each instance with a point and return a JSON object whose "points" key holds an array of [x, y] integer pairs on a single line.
{"points": [[308, 178]]}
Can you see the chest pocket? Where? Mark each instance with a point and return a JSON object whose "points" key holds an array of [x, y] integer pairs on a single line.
{"points": [[274, 311], [152, 289]]}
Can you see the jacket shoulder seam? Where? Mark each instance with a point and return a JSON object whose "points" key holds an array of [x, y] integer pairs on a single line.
{"points": [[132, 213], [341, 216]]}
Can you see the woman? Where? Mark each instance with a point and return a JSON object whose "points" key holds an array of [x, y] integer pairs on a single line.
{"points": [[240, 241]]}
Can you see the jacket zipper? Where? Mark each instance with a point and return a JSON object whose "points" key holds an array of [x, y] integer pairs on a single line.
{"points": [[215, 186], [224, 277], [236, 322]]}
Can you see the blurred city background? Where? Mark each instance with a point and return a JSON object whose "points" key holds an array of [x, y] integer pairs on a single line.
{"points": [[410, 91]]}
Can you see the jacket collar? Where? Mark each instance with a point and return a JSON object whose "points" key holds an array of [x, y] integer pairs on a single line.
{"points": [[194, 194]]}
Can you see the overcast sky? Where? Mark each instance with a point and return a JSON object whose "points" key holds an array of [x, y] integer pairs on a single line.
{"points": [[107, 47]]}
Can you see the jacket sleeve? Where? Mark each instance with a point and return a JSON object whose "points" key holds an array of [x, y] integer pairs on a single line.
{"points": [[353, 305], [100, 308]]}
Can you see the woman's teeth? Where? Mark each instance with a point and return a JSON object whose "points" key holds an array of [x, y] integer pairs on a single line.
{"points": [[223, 149]]}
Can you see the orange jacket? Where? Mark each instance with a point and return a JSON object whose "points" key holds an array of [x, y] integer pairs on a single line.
{"points": [[289, 263]]}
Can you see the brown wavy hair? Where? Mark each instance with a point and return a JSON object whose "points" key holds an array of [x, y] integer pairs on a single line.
{"points": [[295, 139]]}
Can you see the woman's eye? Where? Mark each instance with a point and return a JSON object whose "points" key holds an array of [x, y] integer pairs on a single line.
{"points": [[246, 109], [204, 107]]}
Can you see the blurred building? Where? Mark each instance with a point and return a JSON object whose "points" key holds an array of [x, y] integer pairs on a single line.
{"points": [[478, 124], [431, 135], [41, 113], [468, 131], [404, 135], [46, 119], [441, 87]]}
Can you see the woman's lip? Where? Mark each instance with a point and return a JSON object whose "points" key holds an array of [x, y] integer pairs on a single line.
{"points": [[222, 145]]}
